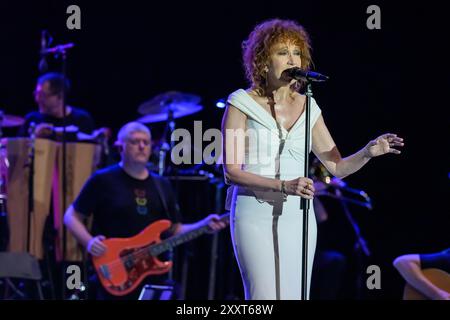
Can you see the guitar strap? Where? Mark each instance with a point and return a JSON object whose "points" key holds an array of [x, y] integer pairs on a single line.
{"points": [[161, 194]]}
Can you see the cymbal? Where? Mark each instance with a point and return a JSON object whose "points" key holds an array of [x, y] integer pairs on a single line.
{"points": [[158, 104], [7, 120], [178, 112], [180, 104]]}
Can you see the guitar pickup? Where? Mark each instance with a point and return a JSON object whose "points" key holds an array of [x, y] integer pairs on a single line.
{"points": [[105, 272]]}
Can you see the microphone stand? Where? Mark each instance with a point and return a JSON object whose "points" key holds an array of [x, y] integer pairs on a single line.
{"points": [[62, 51], [31, 155], [64, 159], [306, 203]]}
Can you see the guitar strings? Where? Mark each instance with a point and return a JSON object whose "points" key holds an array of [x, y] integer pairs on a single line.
{"points": [[138, 253]]}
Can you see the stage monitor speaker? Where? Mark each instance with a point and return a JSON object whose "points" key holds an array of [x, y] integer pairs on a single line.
{"points": [[156, 292]]}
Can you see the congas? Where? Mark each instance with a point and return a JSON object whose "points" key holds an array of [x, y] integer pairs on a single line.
{"points": [[18, 150], [47, 186], [80, 164]]}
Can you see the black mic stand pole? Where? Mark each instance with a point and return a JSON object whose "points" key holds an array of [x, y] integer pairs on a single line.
{"points": [[62, 50], [306, 203], [31, 154], [64, 169]]}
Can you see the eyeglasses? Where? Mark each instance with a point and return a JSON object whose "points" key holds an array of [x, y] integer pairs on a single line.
{"points": [[136, 142]]}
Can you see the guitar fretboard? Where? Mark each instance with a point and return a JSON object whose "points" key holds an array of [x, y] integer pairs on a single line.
{"points": [[165, 245]]}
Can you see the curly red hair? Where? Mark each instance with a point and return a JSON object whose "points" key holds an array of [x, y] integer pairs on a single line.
{"points": [[256, 49]]}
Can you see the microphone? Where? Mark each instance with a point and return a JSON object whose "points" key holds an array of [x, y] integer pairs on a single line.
{"points": [[300, 74], [43, 66]]}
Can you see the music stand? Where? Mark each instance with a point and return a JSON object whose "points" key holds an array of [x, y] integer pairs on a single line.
{"points": [[22, 266]]}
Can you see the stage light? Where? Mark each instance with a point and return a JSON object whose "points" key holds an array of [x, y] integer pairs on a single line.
{"points": [[220, 103]]}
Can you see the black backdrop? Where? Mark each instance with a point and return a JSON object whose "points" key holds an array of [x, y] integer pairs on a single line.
{"points": [[127, 52]]}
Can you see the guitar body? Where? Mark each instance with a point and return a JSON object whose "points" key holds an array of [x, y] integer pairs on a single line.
{"points": [[439, 278], [127, 262]]}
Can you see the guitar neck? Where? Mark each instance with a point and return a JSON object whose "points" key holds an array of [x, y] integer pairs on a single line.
{"points": [[174, 241]]}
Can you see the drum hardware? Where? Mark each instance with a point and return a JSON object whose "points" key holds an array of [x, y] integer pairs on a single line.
{"points": [[167, 107]]}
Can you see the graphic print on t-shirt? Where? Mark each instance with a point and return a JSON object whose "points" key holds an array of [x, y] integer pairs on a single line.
{"points": [[141, 201]]}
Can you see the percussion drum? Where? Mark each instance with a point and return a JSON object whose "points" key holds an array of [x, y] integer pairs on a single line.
{"points": [[47, 184]]}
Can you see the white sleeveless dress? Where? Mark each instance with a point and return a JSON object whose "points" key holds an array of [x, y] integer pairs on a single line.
{"points": [[267, 231]]}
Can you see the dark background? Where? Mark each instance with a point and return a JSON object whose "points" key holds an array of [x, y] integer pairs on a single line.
{"points": [[381, 81]]}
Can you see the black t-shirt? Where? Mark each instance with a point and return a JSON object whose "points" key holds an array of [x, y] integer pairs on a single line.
{"points": [[439, 260], [123, 206], [77, 117]]}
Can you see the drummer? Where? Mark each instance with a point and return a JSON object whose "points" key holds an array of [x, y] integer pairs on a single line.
{"points": [[49, 118]]}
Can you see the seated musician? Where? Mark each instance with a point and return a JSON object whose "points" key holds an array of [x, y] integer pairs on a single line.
{"points": [[48, 95], [411, 266], [126, 198]]}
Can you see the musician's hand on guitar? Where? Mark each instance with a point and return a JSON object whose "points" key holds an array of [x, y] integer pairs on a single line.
{"points": [[96, 247], [214, 223]]}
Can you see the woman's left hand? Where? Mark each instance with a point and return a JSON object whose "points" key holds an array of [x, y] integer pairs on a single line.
{"points": [[385, 143]]}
